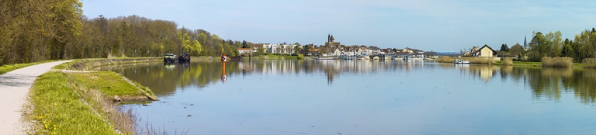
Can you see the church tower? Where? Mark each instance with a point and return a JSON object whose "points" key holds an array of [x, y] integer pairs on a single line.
{"points": [[525, 44]]}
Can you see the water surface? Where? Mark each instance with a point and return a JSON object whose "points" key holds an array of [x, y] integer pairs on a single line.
{"points": [[365, 97]]}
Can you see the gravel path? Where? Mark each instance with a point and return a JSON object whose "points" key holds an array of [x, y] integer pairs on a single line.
{"points": [[14, 90]]}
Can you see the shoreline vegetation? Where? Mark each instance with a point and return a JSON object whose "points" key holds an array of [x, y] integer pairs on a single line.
{"points": [[555, 62], [75, 101]]}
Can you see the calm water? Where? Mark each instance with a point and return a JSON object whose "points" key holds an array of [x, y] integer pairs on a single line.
{"points": [[365, 97]]}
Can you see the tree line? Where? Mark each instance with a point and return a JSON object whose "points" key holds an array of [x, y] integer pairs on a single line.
{"points": [[33, 30], [552, 45]]}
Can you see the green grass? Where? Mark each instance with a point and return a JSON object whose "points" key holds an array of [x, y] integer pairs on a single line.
{"points": [[473, 60], [108, 83], [527, 64], [58, 109], [88, 64], [7, 68]]}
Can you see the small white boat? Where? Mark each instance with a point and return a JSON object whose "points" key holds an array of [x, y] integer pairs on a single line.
{"points": [[461, 61]]}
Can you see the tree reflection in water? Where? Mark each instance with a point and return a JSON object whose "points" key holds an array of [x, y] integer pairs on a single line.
{"points": [[547, 83]]}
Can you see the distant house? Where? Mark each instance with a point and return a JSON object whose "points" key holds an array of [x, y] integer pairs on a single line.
{"points": [[312, 52], [336, 52], [363, 50], [374, 50], [245, 51], [486, 51], [407, 50]]}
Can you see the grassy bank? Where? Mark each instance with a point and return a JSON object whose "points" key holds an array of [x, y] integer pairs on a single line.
{"points": [[550, 62], [473, 60], [89, 64], [82, 103], [76, 102], [111, 84], [8, 68], [59, 109]]}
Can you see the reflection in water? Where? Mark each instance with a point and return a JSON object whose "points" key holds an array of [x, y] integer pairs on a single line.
{"points": [[485, 72], [163, 79], [546, 82], [365, 97]]}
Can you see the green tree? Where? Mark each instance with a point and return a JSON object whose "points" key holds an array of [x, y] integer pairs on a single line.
{"points": [[306, 49], [504, 48], [516, 49], [244, 44], [260, 50], [567, 50], [198, 48], [297, 49], [538, 47]]}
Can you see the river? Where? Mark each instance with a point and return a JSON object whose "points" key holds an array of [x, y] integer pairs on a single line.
{"points": [[364, 97]]}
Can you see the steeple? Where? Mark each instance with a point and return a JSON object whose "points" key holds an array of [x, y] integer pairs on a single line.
{"points": [[525, 44]]}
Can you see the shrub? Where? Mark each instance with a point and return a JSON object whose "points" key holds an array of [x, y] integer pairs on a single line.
{"points": [[563, 62], [508, 61], [300, 57]]}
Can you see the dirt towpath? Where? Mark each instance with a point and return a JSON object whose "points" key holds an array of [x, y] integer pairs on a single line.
{"points": [[14, 89]]}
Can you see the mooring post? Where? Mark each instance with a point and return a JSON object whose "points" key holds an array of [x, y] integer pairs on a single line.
{"points": [[223, 59]]}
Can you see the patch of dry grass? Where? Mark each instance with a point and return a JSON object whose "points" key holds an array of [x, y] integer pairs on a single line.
{"points": [[562, 62], [445, 59], [473, 60], [507, 61]]}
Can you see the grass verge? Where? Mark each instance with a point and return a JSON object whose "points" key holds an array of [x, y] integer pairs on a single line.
{"points": [[88, 64], [58, 109], [111, 84], [82, 102]]}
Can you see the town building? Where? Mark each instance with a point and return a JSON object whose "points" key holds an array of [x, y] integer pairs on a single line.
{"points": [[245, 51]]}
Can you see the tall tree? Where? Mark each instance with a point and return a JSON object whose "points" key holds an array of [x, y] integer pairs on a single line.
{"points": [[516, 49], [244, 44], [504, 48]]}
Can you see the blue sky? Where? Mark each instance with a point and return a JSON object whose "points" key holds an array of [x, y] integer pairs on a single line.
{"points": [[437, 25]]}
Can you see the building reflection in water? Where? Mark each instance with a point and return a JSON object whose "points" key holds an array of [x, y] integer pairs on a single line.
{"points": [[548, 83]]}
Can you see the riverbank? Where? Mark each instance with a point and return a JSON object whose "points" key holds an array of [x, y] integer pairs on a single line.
{"points": [[475, 60], [91, 64], [86, 102]]}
